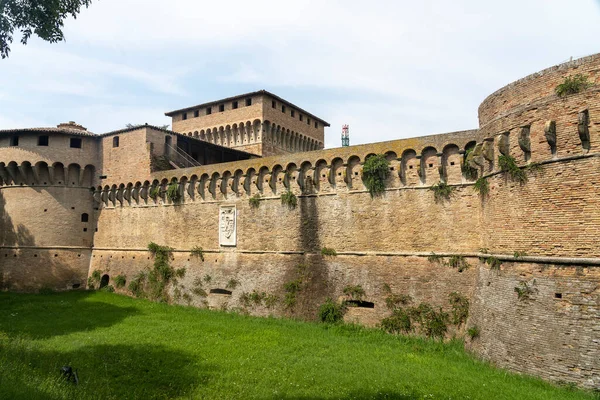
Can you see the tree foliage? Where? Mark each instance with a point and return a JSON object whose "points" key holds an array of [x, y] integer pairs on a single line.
{"points": [[44, 18]]}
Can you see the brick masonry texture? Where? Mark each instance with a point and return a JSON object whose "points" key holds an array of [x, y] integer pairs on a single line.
{"points": [[258, 128], [551, 222]]}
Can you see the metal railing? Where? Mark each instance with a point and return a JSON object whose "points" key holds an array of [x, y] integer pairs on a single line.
{"points": [[180, 158]]}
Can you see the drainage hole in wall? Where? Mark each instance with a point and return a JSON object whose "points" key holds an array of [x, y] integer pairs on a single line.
{"points": [[221, 291], [451, 162], [85, 229], [558, 295], [360, 304], [35, 255], [76, 285], [56, 255]]}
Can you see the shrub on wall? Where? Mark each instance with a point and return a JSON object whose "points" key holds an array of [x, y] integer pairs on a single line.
{"points": [[473, 332], [524, 291], [331, 312], [136, 286], [398, 322], [153, 283], [375, 171], [94, 280], [154, 192], [442, 191], [254, 201], [459, 263], [460, 308], [197, 251], [289, 199], [327, 251], [482, 186], [509, 165], [173, 192], [120, 281], [572, 84]]}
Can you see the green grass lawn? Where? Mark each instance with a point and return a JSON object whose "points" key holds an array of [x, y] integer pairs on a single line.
{"points": [[134, 349]]}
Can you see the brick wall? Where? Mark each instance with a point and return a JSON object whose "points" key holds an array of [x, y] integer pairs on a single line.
{"points": [[553, 218]]}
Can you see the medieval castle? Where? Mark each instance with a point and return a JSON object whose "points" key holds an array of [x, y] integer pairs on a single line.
{"points": [[75, 205]]}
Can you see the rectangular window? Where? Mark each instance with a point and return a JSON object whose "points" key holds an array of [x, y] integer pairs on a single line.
{"points": [[307, 121], [116, 141], [14, 141], [273, 104], [248, 102], [221, 107], [300, 117], [234, 105], [208, 110], [184, 116], [43, 140], [76, 143], [282, 108], [196, 113], [293, 113], [316, 124]]}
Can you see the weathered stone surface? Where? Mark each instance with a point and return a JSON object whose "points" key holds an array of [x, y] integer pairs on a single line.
{"points": [[380, 241], [582, 128], [524, 140], [503, 144]]}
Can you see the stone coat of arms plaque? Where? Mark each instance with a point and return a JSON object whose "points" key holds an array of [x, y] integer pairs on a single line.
{"points": [[227, 226]]}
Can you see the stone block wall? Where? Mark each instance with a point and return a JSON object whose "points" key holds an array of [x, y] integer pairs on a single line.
{"points": [[543, 231]]}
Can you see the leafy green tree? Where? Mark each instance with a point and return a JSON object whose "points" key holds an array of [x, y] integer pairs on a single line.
{"points": [[44, 18]]}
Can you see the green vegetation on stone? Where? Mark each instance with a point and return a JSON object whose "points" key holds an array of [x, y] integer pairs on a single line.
{"points": [[482, 186], [173, 192], [289, 199], [509, 165], [375, 171], [442, 191], [327, 251], [572, 84]]}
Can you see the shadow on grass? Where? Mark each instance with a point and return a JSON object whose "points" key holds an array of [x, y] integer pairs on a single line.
{"points": [[105, 372], [42, 316]]}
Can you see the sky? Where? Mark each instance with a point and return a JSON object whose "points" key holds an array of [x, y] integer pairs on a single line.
{"points": [[389, 69]]}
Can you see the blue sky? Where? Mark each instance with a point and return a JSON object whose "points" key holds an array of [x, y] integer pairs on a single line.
{"points": [[390, 69]]}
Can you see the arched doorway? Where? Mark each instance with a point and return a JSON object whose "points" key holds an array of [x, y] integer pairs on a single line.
{"points": [[104, 281]]}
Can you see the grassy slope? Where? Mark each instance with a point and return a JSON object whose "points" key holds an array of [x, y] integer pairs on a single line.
{"points": [[134, 349]]}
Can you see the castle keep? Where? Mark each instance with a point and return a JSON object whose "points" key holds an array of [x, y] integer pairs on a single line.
{"points": [[72, 203], [260, 123]]}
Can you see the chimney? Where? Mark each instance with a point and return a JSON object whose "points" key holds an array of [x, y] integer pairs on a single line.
{"points": [[71, 125]]}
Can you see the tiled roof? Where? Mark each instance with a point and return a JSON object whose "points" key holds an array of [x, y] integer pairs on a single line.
{"points": [[239, 96], [66, 131]]}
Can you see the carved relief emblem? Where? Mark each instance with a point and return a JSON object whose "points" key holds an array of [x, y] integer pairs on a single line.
{"points": [[227, 226]]}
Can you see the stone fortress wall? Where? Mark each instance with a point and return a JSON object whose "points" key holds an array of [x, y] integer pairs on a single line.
{"points": [[554, 218]]}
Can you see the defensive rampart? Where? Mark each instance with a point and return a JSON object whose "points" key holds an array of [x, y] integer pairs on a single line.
{"points": [[543, 231]]}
